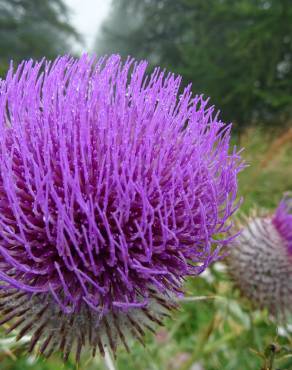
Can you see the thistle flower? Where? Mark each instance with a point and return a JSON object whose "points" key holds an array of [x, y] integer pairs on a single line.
{"points": [[261, 260], [112, 190]]}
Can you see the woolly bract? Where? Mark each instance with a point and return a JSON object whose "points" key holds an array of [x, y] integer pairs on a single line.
{"points": [[261, 262]]}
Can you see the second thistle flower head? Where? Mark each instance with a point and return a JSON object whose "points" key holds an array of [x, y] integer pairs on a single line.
{"points": [[112, 189], [261, 259]]}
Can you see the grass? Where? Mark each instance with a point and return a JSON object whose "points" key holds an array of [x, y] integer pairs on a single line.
{"points": [[223, 332]]}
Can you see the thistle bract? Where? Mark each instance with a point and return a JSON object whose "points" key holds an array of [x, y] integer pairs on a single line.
{"points": [[113, 187], [261, 260]]}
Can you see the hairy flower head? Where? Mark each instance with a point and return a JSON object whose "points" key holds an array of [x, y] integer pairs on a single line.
{"points": [[261, 259], [112, 190]]}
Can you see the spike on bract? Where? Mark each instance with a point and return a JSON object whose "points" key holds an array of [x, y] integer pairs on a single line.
{"points": [[113, 186]]}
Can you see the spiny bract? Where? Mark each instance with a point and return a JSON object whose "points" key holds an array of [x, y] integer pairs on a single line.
{"points": [[261, 260], [112, 189]]}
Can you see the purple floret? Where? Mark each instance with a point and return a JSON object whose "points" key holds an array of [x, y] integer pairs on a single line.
{"points": [[282, 221], [111, 183]]}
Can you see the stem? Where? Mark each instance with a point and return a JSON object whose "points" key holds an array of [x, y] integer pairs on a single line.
{"points": [[270, 354], [108, 360]]}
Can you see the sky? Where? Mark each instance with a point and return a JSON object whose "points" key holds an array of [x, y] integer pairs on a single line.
{"points": [[87, 17]]}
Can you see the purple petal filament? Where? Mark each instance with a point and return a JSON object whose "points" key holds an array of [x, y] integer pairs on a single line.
{"points": [[282, 221]]}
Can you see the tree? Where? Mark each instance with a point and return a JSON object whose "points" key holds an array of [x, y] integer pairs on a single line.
{"points": [[33, 28], [120, 27], [237, 52]]}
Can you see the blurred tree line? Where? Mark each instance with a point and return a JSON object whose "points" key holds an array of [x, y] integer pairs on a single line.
{"points": [[33, 29], [237, 52]]}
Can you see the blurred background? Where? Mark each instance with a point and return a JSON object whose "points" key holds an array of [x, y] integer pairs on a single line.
{"points": [[240, 54]]}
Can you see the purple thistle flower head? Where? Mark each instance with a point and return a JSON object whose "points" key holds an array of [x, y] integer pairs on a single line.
{"points": [[282, 221], [112, 190], [261, 260]]}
